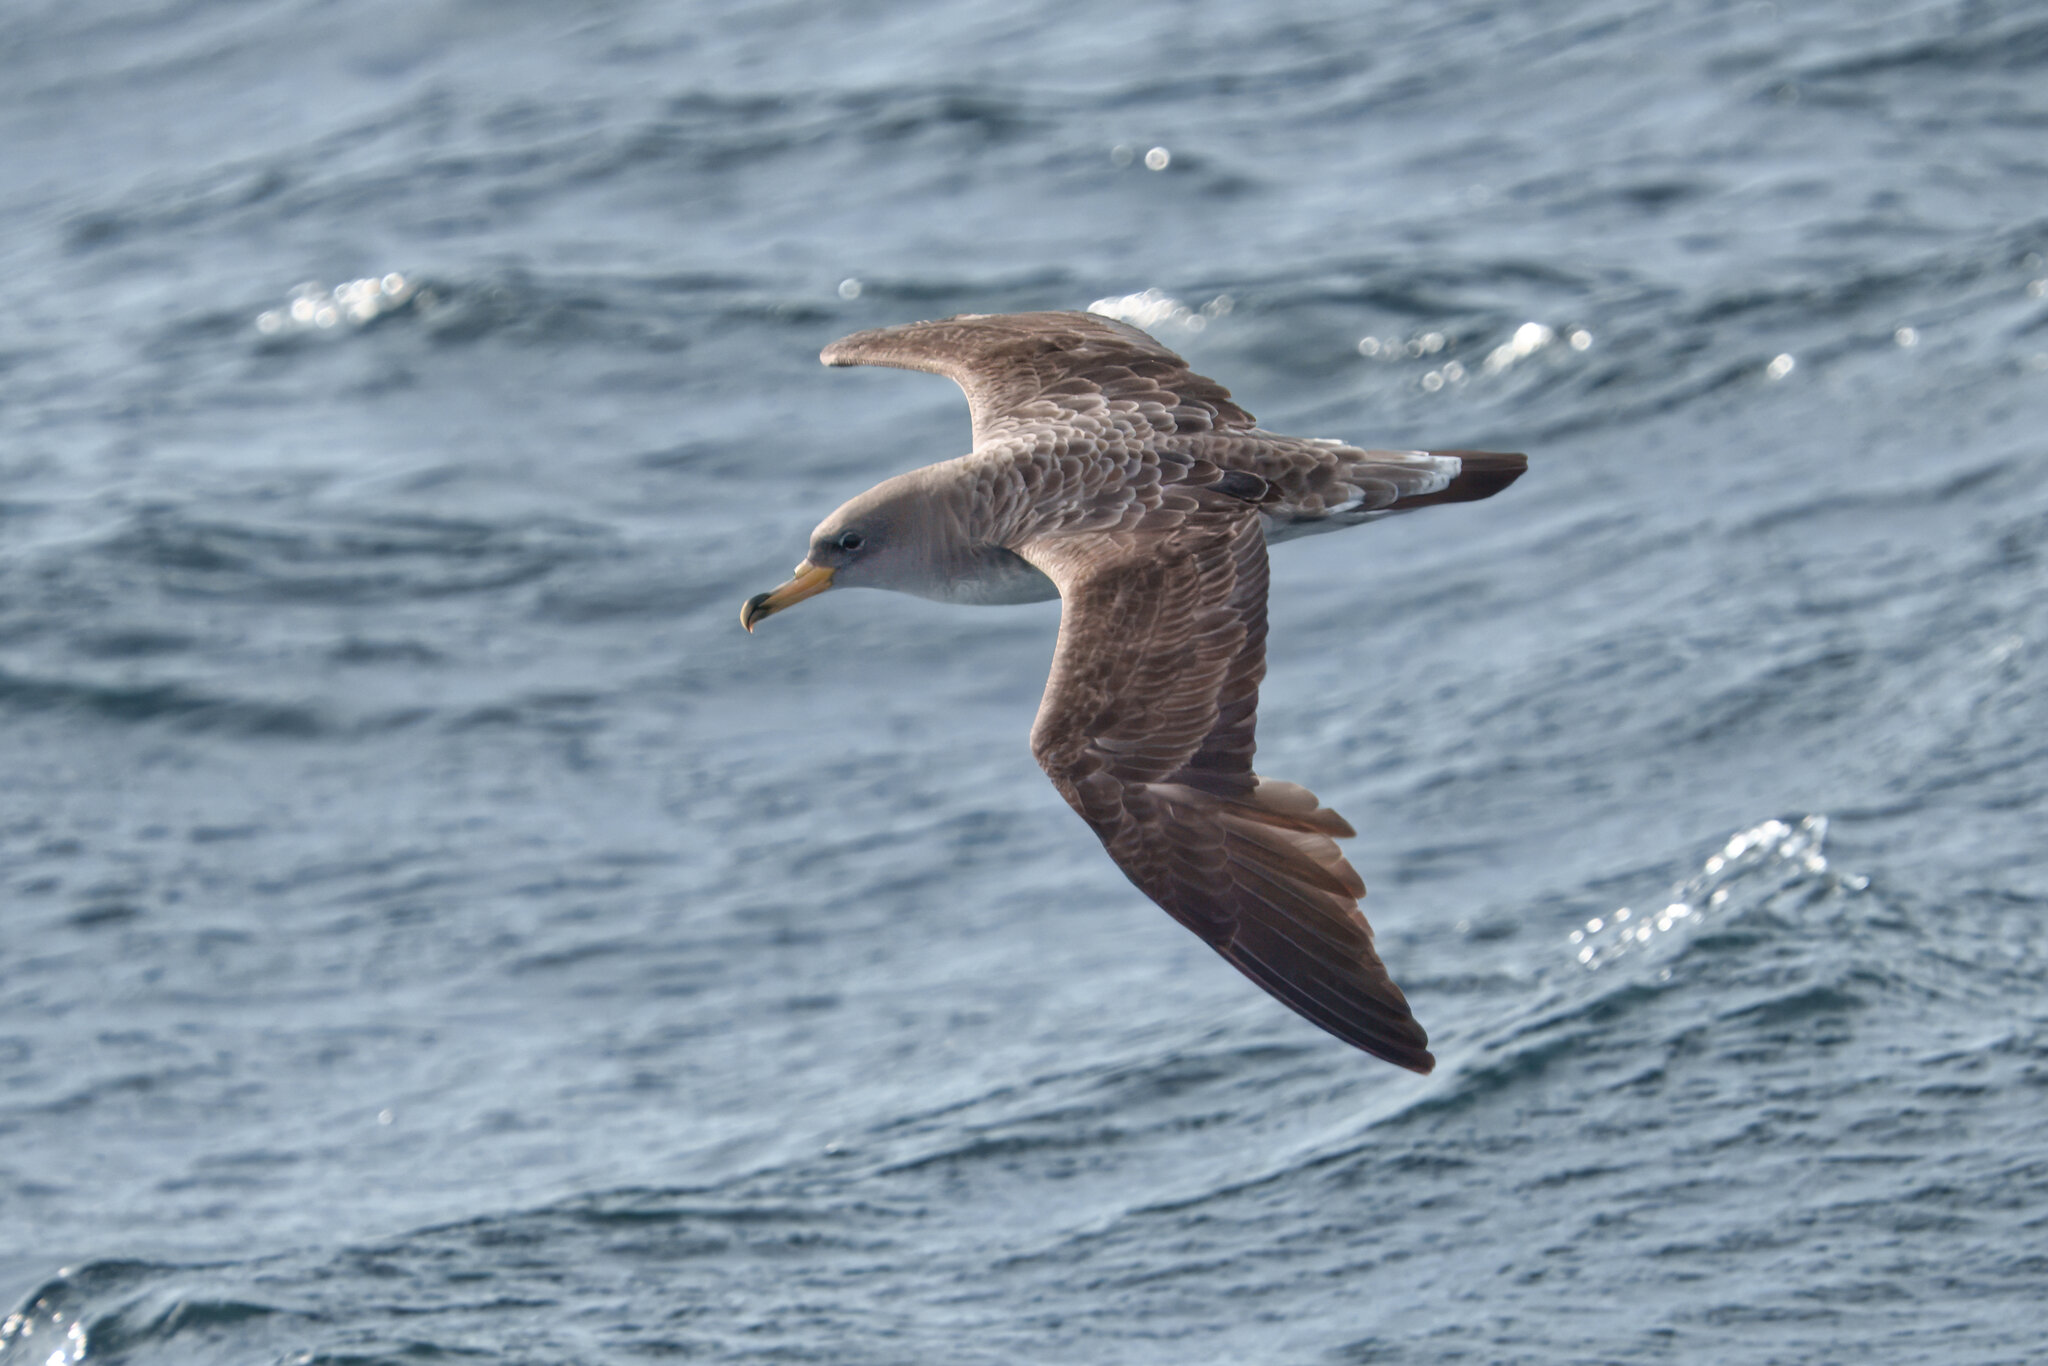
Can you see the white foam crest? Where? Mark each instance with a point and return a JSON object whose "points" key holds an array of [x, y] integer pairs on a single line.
{"points": [[45, 1332], [1154, 308], [1772, 847], [316, 308]]}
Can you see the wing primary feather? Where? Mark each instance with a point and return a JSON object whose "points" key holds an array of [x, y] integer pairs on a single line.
{"points": [[1330, 1013]]}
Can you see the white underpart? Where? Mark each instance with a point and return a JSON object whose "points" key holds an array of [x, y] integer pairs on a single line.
{"points": [[1002, 580]]}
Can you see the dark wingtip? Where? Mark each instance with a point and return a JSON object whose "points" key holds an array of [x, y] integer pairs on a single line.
{"points": [[1407, 1048], [1397, 1051]]}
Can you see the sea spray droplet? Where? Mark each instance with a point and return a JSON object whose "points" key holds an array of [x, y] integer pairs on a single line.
{"points": [[1529, 338]]}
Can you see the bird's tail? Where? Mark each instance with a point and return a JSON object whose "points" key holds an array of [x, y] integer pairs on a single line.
{"points": [[1342, 486], [1481, 474]]}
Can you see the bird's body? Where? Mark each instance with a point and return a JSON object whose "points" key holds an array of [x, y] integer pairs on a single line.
{"points": [[1108, 474]]}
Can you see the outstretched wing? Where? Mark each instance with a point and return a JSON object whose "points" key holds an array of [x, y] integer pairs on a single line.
{"points": [[1147, 731], [1078, 370]]}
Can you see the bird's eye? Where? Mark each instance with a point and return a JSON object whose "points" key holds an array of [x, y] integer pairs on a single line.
{"points": [[849, 540]]}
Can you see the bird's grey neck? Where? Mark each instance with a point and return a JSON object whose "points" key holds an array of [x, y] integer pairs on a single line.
{"points": [[969, 524]]}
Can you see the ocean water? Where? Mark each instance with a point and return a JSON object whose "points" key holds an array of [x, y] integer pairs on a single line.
{"points": [[434, 930]]}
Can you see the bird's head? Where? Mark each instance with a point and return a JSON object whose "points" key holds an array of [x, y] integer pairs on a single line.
{"points": [[873, 541]]}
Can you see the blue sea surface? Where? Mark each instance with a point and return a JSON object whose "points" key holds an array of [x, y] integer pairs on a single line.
{"points": [[430, 928]]}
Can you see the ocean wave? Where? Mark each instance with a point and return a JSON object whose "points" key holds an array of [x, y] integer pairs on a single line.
{"points": [[189, 707], [372, 558]]}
